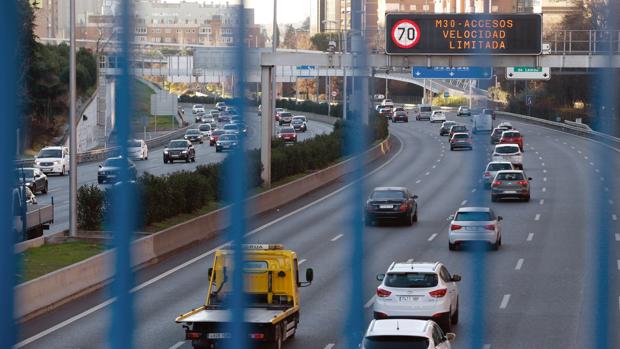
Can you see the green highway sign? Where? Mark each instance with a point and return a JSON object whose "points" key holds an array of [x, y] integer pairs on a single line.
{"points": [[528, 73], [528, 69]]}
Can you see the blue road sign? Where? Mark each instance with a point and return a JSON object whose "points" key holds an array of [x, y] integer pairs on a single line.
{"points": [[306, 67], [476, 73]]}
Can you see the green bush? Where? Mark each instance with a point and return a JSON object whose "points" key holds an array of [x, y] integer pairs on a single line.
{"points": [[310, 107], [90, 207]]}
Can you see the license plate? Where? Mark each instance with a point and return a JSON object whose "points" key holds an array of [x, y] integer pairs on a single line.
{"points": [[226, 146], [472, 228], [46, 169], [386, 206], [174, 156], [218, 335], [408, 298], [510, 192]]}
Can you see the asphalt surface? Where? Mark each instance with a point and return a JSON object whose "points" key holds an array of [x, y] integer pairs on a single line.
{"points": [[205, 154], [535, 292]]}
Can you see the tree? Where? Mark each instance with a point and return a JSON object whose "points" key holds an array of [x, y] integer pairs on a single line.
{"points": [[306, 25], [290, 37], [320, 41]]}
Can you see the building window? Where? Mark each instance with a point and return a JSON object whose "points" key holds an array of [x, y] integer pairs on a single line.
{"points": [[140, 30], [168, 30], [157, 30]]}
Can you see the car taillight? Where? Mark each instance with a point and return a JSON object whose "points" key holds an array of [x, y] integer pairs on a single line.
{"points": [[496, 183], [487, 174], [192, 335], [489, 227], [455, 227], [257, 336], [403, 207], [522, 183], [383, 293], [438, 293]]}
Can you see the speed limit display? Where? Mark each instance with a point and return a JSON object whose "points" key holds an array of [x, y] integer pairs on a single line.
{"points": [[405, 33]]}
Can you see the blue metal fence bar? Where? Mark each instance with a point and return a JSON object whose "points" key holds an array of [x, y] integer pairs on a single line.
{"points": [[235, 177], [354, 143], [123, 206], [8, 105]]}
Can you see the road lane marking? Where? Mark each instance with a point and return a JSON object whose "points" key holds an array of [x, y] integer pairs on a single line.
{"points": [[178, 345], [486, 346], [585, 157], [473, 190], [432, 237], [618, 264], [597, 170], [438, 160], [330, 346], [542, 201], [602, 179], [611, 202], [579, 151], [418, 181], [606, 189], [536, 152], [542, 164], [544, 171], [519, 264], [617, 237], [410, 260], [544, 179], [544, 189], [434, 166], [540, 158], [537, 218], [370, 302], [301, 262], [591, 163], [335, 238], [505, 301], [427, 173], [614, 217], [530, 236], [464, 202]]}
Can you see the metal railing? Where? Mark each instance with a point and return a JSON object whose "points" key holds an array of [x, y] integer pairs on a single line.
{"points": [[591, 42]]}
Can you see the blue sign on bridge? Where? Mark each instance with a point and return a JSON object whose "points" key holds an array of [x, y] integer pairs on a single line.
{"points": [[476, 73]]}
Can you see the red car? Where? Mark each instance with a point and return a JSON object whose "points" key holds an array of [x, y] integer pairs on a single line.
{"points": [[386, 112], [400, 116], [512, 137], [287, 134], [215, 135]]}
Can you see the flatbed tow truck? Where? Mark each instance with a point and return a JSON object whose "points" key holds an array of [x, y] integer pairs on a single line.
{"points": [[271, 279]]}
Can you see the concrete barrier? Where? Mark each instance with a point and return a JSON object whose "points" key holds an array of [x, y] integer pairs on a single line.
{"points": [[49, 291]]}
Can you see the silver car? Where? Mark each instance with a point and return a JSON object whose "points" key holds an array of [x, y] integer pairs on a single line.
{"points": [[511, 184], [491, 170], [473, 224]]}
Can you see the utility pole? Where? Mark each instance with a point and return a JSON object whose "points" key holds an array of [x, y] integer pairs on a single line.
{"points": [[72, 125], [345, 94], [274, 39]]}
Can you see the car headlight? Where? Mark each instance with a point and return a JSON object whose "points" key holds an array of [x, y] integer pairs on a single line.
{"points": [[217, 143], [184, 152], [234, 143], [165, 151], [56, 162]]}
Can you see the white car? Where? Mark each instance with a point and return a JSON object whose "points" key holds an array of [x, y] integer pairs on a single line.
{"points": [[53, 160], [418, 290], [491, 170], [473, 224], [406, 333], [198, 108], [387, 103], [438, 116], [205, 129], [138, 149], [510, 153]]}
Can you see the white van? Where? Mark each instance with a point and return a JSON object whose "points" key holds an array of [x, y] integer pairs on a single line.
{"points": [[482, 123], [424, 112]]}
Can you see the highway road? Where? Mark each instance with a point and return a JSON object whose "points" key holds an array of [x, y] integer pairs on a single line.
{"points": [[205, 154], [537, 286]]}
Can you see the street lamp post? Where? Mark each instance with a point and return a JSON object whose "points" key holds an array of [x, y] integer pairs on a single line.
{"points": [[72, 124]]}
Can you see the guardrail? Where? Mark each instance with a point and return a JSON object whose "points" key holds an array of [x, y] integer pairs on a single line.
{"points": [[584, 41], [566, 127]]}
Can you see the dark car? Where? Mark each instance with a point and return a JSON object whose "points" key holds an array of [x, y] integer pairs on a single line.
{"points": [[460, 140], [179, 149], [400, 116], [109, 171], [194, 135], [215, 135], [285, 118], [241, 126], [391, 204], [287, 134], [510, 184], [445, 127], [227, 142], [224, 117], [198, 117], [32, 178], [386, 112], [299, 124], [496, 135]]}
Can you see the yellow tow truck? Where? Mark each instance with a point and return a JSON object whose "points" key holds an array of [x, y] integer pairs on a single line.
{"points": [[271, 279]]}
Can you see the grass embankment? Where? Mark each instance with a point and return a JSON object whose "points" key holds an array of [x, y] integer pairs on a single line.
{"points": [[142, 107], [39, 261]]}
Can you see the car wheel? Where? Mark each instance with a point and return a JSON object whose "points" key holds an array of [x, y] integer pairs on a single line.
{"points": [[194, 159], [187, 159], [451, 246], [409, 220], [451, 149], [493, 198], [446, 324], [415, 216], [455, 316], [496, 245], [63, 172], [44, 190]]}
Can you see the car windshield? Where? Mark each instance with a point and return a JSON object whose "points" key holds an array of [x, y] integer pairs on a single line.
{"points": [[425, 109], [192, 132], [387, 195], [297, 121], [287, 130], [50, 153], [411, 280], [510, 176], [476, 216], [177, 144], [448, 124], [497, 132], [217, 132], [231, 127], [301, 118], [204, 127], [286, 115], [507, 150], [395, 342], [26, 172], [114, 162], [228, 138], [134, 144], [461, 136], [511, 134], [499, 167]]}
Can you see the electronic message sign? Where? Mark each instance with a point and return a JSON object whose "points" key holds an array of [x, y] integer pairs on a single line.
{"points": [[463, 34]]}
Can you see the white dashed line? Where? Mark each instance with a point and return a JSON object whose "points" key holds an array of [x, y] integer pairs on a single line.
{"points": [[486, 346], [544, 171], [586, 158], [505, 301], [537, 152], [611, 202], [544, 179], [432, 237], [618, 264], [617, 237], [519, 264], [544, 189], [473, 190], [438, 160], [606, 189], [597, 170], [370, 302], [427, 173], [434, 166], [178, 345], [602, 179], [542, 164], [591, 163], [540, 158], [301, 262], [542, 201], [410, 260], [530, 236], [537, 217], [579, 151], [335, 238], [418, 181], [614, 217], [330, 346], [464, 202]]}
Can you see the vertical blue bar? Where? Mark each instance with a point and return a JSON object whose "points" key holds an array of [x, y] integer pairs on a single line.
{"points": [[235, 174], [10, 112], [123, 215], [354, 143]]}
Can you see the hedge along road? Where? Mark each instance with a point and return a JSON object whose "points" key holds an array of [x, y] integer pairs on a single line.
{"points": [[205, 154]]}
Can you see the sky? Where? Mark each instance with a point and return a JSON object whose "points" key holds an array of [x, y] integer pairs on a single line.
{"points": [[289, 11]]}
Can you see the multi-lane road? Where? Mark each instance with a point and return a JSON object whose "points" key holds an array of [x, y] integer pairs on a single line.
{"points": [[536, 290], [205, 154]]}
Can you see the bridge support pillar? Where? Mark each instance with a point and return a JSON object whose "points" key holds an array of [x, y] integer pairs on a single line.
{"points": [[267, 114]]}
